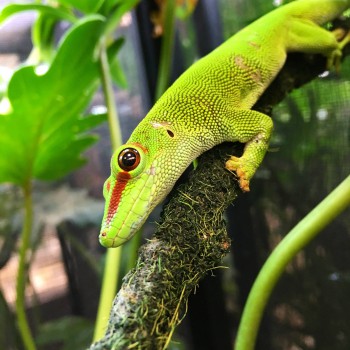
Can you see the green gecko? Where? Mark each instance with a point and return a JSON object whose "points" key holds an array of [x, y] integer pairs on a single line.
{"points": [[211, 103]]}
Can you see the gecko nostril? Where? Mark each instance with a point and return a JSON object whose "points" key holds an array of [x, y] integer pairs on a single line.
{"points": [[103, 234], [170, 133]]}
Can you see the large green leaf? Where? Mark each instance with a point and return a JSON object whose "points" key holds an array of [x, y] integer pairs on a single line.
{"points": [[41, 137]]}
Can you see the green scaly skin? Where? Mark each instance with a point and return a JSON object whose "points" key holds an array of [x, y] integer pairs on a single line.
{"points": [[209, 104]]}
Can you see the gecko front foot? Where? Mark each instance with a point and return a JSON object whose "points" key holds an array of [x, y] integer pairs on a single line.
{"points": [[237, 164], [334, 59]]}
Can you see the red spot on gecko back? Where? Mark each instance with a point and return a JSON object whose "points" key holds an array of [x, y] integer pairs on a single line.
{"points": [[122, 180]]}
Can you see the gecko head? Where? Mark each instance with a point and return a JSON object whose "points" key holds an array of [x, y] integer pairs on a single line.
{"points": [[143, 171]]}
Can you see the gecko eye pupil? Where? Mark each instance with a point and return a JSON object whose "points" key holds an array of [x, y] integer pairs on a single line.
{"points": [[129, 159]]}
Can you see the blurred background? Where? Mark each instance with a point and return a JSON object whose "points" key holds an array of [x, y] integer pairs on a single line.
{"points": [[309, 156]]}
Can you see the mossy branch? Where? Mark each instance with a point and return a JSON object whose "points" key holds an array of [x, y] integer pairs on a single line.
{"points": [[191, 239]]}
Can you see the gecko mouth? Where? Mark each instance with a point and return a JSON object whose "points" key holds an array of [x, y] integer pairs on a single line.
{"points": [[123, 218], [110, 242], [104, 240]]}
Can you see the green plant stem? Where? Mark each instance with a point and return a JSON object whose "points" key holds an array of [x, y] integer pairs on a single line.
{"points": [[113, 256], [336, 202], [22, 320], [107, 85], [166, 49], [108, 291]]}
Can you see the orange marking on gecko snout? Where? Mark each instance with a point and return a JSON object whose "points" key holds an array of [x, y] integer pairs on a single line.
{"points": [[144, 149], [122, 180]]}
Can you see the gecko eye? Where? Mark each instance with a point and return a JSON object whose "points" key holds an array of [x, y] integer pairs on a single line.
{"points": [[129, 159]]}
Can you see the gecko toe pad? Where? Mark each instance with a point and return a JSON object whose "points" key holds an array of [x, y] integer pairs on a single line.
{"points": [[236, 164]]}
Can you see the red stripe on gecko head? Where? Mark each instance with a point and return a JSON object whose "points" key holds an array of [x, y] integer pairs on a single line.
{"points": [[122, 180]]}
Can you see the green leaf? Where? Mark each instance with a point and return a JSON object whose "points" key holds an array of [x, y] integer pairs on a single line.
{"points": [[43, 38], [12, 9], [116, 69], [109, 5], [114, 48], [41, 137], [121, 8], [91, 121], [85, 6], [73, 332], [118, 74]]}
